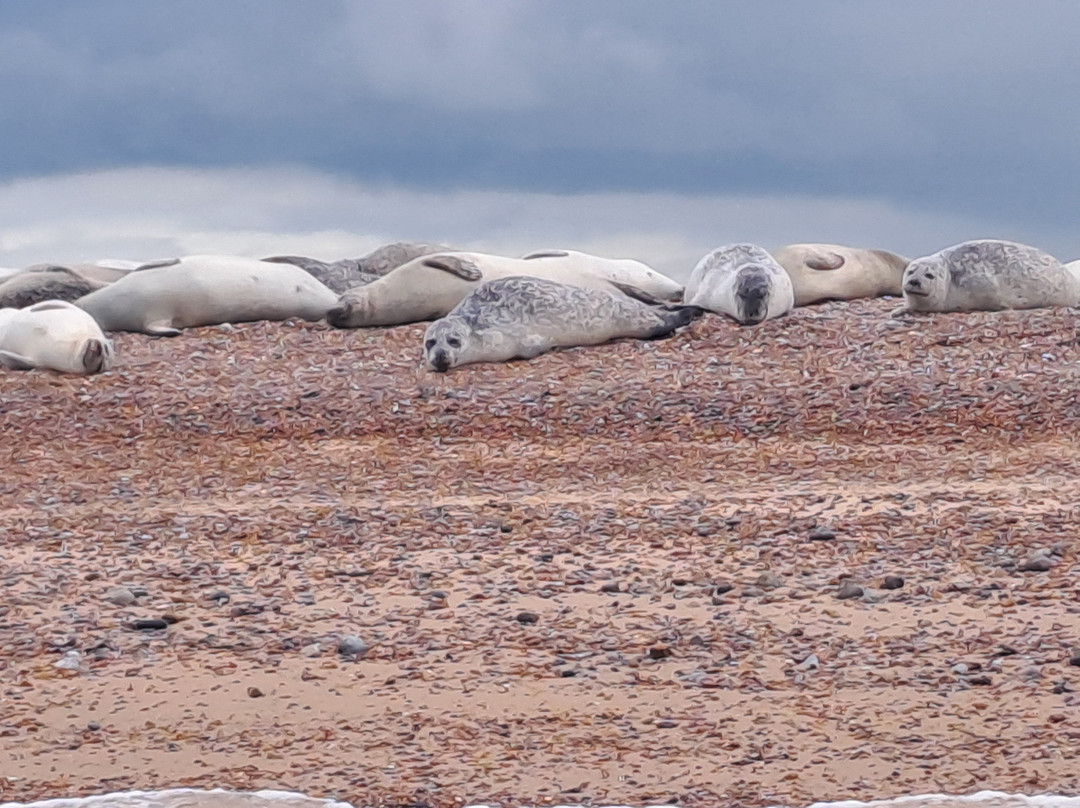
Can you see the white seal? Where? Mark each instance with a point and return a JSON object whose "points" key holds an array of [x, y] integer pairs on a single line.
{"points": [[428, 287], [834, 272], [988, 275], [207, 290], [742, 281], [521, 317], [55, 335], [628, 271]]}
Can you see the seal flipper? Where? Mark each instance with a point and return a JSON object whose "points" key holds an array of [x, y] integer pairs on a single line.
{"points": [[545, 254], [825, 261], [461, 267], [13, 361], [672, 318], [95, 356], [164, 262], [641, 295], [160, 328], [306, 264]]}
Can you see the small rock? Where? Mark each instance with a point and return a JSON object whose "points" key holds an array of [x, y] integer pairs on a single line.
{"points": [[1074, 660], [1032, 673], [892, 582], [722, 588], [220, 596], [659, 652], [71, 661], [255, 693], [960, 669], [752, 591], [313, 650], [769, 580], [811, 663], [120, 596], [666, 724], [149, 624], [981, 679], [351, 645], [1038, 563], [848, 590], [527, 618], [822, 534], [610, 586], [93, 726]]}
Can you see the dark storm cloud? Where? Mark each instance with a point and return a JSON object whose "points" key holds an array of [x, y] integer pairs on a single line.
{"points": [[965, 106]]}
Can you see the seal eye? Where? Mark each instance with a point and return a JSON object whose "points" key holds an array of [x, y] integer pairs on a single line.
{"points": [[929, 276], [429, 344], [453, 342]]}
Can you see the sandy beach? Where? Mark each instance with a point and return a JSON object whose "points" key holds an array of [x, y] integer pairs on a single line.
{"points": [[638, 573]]}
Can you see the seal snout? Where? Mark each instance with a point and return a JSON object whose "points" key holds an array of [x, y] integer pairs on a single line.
{"points": [[440, 361], [339, 315], [914, 286]]}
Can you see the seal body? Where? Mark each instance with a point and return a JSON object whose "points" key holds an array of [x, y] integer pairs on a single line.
{"points": [[46, 282], [53, 334], [834, 272], [742, 281], [988, 275], [204, 290], [428, 287], [621, 270], [522, 317]]}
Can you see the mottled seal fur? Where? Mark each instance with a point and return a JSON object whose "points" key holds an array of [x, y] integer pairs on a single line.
{"points": [[988, 275], [428, 287], [834, 272], [53, 334], [340, 276], [521, 317], [742, 281], [47, 282], [204, 290]]}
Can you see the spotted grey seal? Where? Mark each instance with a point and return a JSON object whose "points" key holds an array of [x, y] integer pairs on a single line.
{"points": [[522, 317], [742, 281], [430, 286], [988, 275]]}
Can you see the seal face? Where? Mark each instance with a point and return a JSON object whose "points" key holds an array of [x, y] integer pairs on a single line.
{"points": [[742, 281], [988, 275], [523, 317], [821, 272], [55, 335]]}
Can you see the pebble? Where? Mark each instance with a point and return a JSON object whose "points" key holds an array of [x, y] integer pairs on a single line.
{"points": [[93, 726], [255, 693], [527, 618], [149, 624], [313, 650], [120, 596], [71, 661], [1038, 563], [848, 590], [960, 669], [811, 663], [351, 645], [769, 580], [659, 652], [1074, 660], [822, 534], [892, 582]]}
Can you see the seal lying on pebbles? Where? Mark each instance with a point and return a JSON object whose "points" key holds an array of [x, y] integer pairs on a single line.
{"points": [[340, 276], [522, 317], [988, 275], [207, 290], [742, 281], [834, 272], [40, 282], [429, 287], [53, 334], [618, 269]]}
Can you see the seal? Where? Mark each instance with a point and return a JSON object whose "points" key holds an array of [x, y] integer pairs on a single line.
{"points": [[742, 281], [834, 272], [621, 270], [340, 276], [521, 317], [988, 275], [428, 287], [1074, 268], [163, 298], [53, 334], [37, 284]]}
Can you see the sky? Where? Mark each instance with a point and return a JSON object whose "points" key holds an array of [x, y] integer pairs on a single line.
{"points": [[151, 128]]}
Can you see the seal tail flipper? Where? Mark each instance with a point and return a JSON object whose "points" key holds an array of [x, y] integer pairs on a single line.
{"points": [[672, 318], [161, 328], [96, 356], [14, 361]]}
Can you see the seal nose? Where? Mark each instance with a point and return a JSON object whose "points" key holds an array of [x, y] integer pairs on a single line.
{"points": [[339, 315], [913, 283], [440, 361]]}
